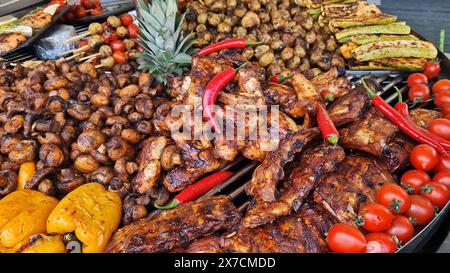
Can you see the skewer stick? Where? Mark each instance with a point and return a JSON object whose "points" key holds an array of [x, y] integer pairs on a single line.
{"points": [[99, 66], [78, 37], [90, 56], [74, 56], [89, 60], [74, 51]]}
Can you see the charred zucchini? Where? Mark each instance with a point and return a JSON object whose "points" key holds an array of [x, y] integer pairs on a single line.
{"points": [[388, 49], [404, 64], [365, 39], [394, 28], [350, 22]]}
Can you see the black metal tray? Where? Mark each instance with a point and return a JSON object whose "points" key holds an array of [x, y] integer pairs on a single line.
{"points": [[109, 10], [38, 32]]}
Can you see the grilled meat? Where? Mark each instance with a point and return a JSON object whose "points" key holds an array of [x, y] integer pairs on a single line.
{"points": [[332, 81], [370, 134], [350, 107], [177, 227], [315, 163], [37, 19], [263, 184], [302, 232], [353, 184], [11, 41], [286, 98], [423, 117]]}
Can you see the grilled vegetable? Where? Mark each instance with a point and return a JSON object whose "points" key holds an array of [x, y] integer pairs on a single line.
{"points": [[394, 28], [346, 50], [22, 214], [380, 50], [38, 243], [350, 22], [91, 212], [370, 38], [404, 63]]}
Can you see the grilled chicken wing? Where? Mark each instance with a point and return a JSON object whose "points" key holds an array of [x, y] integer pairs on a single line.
{"points": [[304, 177], [350, 107], [354, 183], [37, 19], [332, 81], [177, 227]]}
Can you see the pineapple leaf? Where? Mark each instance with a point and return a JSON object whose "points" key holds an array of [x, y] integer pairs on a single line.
{"points": [[183, 58]]}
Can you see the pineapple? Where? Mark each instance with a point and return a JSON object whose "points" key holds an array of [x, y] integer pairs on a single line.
{"points": [[168, 51]]}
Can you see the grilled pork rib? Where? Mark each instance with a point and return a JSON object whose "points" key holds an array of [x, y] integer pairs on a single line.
{"points": [[177, 227]]}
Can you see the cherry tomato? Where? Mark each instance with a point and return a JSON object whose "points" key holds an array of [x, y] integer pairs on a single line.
{"points": [[437, 194], [117, 45], [379, 242], [97, 11], [80, 12], [401, 228], [126, 19], [133, 31], [374, 217], [83, 43], [416, 78], [432, 69], [424, 157], [394, 198], [421, 211], [443, 178], [442, 98], [445, 108], [343, 238], [443, 163], [70, 16], [441, 85], [88, 4], [413, 180], [119, 57], [107, 37], [440, 127], [419, 91]]}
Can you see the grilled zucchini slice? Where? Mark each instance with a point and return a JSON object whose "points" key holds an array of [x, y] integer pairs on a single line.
{"points": [[404, 64], [365, 39], [350, 22], [388, 49], [394, 28], [349, 9]]}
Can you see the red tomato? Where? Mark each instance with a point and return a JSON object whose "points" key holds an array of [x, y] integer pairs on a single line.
{"points": [[432, 69], [445, 108], [401, 228], [80, 12], [424, 157], [126, 19], [421, 211], [441, 85], [343, 238], [83, 43], [443, 178], [107, 37], [437, 194], [97, 11], [419, 91], [443, 163], [70, 16], [394, 198], [374, 217], [442, 98], [379, 242], [413, 180], [440, 127], [416, 78], [119, 57], [133, 31], [88, 4], [117, 45]]}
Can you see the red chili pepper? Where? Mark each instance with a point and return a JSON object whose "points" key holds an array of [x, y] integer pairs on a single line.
{"points": [[198, 189], [402, 109], [212, 91], [326, 125], [226, 44], [327, 95], [402, 123], [278, 78]]}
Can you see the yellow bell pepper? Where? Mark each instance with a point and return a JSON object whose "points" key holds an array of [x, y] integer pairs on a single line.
{"points": [[22, 214], [90, 211], [38, 243], [26, 172]]}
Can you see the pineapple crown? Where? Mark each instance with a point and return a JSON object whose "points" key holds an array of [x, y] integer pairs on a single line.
{"points": [[168, 51]]}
